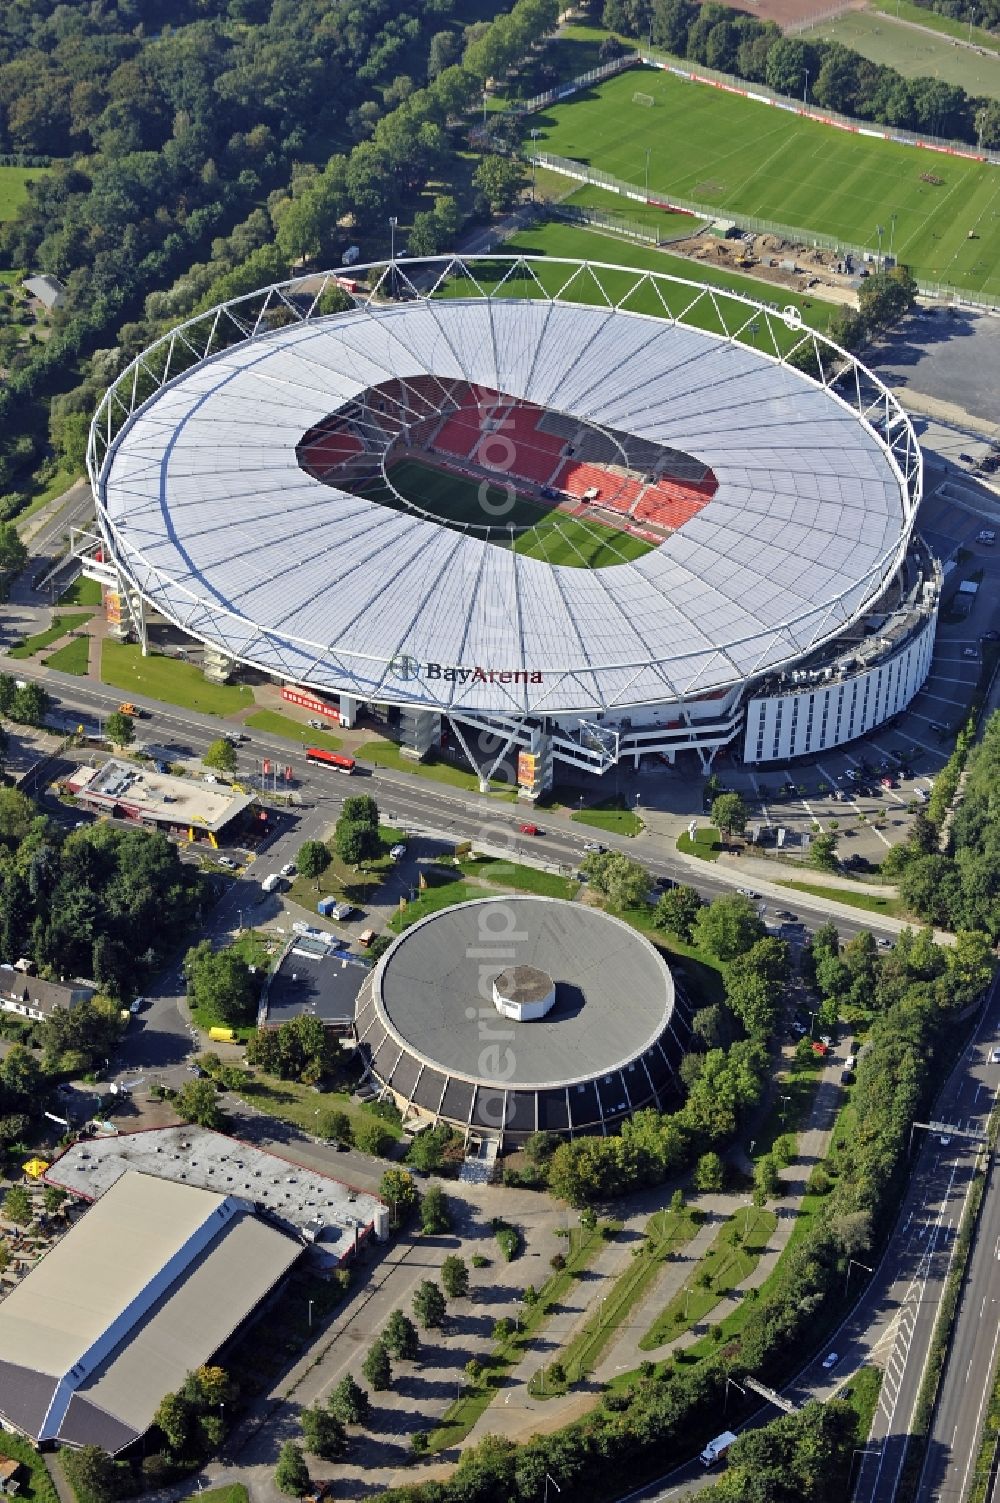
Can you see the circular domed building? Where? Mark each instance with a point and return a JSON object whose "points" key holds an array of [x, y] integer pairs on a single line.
{"points": [[517, 1014]]}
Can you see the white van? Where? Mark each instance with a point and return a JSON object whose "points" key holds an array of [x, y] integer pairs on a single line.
{"points": [[270, 883], [350, 255]]}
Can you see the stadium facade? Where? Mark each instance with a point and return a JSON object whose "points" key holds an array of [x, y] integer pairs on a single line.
{"points": [[506, 1016], [581, 512]]}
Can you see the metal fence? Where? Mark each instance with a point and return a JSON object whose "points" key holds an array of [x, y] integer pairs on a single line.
{"points": [[807, 22], [574, 85], [620, 224], [793, 233]]}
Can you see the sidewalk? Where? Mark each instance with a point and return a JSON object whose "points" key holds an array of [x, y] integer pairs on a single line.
{"points": [[517, 1415]]}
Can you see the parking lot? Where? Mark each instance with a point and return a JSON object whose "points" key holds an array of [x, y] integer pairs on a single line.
{"points": [[868, 793]]}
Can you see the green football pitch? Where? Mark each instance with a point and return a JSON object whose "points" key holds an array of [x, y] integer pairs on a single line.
{"points": [[739, 157], [552, 536]]}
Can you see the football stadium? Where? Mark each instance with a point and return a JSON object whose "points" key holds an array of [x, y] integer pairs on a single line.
{"points": [[597, 513], [507, 1016]]}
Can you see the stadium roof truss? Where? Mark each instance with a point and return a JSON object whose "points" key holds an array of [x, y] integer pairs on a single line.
{"points": [[207, 515]]}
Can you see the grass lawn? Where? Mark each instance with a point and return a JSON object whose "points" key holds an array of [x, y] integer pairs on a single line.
{"points": [[737, 156], [14, 187], [906, 10], [557, 238], [276, 724], [73, 658], [509, 874], [388, 754], [170, 680], [431, 901], [39, 1487], [664, 222], [81, 592], [612, 814], [300, 1105], [581, 1248], [559, 539], [60, 626], [732, 1257], [342, 881], [60, 482], [871, 901], [666, 1232], [707, 845], [234, 1493], [915, 54]]}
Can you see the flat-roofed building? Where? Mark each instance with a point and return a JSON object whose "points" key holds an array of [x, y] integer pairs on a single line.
{"points": [[133, 790], [149, 1284], [313, 979]]}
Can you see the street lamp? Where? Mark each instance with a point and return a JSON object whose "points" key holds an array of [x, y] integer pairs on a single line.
{"points": [[805, 89], [892, 235], [310, 1314], [879, 231], [534, 137], [392, 238], [648, 150], [731, 1383], [854, 1263]]}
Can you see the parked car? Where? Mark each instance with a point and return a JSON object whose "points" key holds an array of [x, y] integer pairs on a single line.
{"points": [[318, 725], [830, 1360], [594, 847], [137, 1005], [995, 1056], [227, 862], [397, 851], [288, 870], [747, 892], [883, 944], [990, 636], [970, 652]]}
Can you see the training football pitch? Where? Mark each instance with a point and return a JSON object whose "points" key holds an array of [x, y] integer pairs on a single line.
{"points": [[740, 157], [552, 536], [916, 52]]}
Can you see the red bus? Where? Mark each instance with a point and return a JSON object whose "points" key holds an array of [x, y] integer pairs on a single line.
{"points": [[329, 759]]}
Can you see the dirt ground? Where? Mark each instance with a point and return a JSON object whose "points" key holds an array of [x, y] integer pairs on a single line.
{"points": [[767, 257], [796, 14]]}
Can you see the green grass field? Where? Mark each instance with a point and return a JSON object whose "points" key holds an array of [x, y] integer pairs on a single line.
{"points": [[60, 626], [905, 10], [73, 658], [915, 54], [81, 592], [556, 538], [170, 680], [741, 157], [14, 187], [276, 724], [558, 238]]}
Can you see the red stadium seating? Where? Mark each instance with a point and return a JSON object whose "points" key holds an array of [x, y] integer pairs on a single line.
{"points": [[330, 451], [671, 504], [616, 492]]}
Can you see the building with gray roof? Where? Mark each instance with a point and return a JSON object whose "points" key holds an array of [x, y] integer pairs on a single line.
{"points": [[150, 1283], [511, 1015]]}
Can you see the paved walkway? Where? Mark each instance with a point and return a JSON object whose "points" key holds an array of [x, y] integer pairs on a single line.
{"points": [[517, 1415]]}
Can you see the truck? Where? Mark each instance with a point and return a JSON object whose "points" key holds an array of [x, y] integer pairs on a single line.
{"points": [[717, 1448]]}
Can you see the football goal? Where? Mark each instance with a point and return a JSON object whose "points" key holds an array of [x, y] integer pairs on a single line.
{"points": [[644, 99]]}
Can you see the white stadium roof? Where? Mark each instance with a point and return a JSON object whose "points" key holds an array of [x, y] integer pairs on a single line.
{"points": [[207, 510]]}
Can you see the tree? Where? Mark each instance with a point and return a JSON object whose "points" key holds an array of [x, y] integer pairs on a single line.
{"points": [[729, 813], [291, 1475], [988, 124], [766, 1177], [313, 859], [400, 1337], [434, 1216], [427, 1149], [349, 1402], [197, 1101], [120, 729], [709, 1174], [335, 1127], [30, 705], [372, 1136], [677, 909], [53, 1199], [220, 982], [400, 1190], [728, 927], [360, 809], [377, 1368], [17, 1205], [95, 1473], [885, 296], [13, 553], [175, 1416], [500, 180], [455, 1277], [823, 853], [623, 882], [356, 843], [324, 1433], [429, 1305], [220, 755]]}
